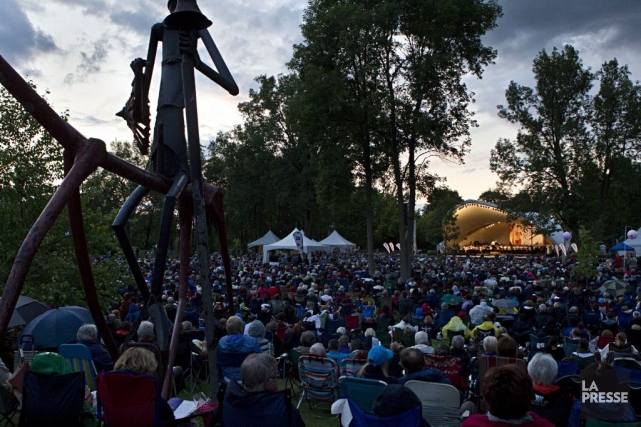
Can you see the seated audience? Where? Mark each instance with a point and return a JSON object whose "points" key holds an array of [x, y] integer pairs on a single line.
{"points": [[333, 352], [395, 399], [550, 401], [485, 329], [343, 344], [414, 364], [307, 339], [455, 326], [555, 349], [317, 350], [88, 335], [370, 338], [376, 366], [508, 392], [620, 345], [507, 347], [422, 341], [139, 360], [257, 330], [257, 401], [610, 411], [458, 350], [394, 367], [490, 346], [236, 343]]}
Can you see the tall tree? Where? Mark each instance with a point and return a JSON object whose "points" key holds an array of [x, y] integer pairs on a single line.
{"points": [[552, 146], [399, 67], [575, 152], [615, 125], [339, 66], [431, 46]]}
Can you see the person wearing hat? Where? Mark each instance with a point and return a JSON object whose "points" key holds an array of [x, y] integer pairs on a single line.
{"points": [[257, 330], [265, 313], [478, 312], [376, 366]]}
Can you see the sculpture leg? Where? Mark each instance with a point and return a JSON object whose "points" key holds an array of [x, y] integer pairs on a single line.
{"points": [[119, 228], [214, 205], [185, 216], [87, 161], [155, 307], [197, 191], [84, 263]]}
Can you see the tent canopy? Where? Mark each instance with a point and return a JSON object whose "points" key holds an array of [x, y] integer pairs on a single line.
{"points": [[335, 240], [288, 243], [621, 247], [267, 239], [635, 243]]}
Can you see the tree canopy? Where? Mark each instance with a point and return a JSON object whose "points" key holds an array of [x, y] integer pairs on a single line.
{"points": [[574, 153]]}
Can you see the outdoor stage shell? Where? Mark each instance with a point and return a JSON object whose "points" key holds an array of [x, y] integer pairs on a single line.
{"points": [[481, 223]]}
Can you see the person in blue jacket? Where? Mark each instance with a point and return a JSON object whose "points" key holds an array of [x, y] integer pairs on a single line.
{"points": [[257, 400], [236, 344]]}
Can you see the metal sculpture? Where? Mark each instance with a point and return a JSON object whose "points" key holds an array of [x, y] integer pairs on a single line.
{"points": [[176, 170]]}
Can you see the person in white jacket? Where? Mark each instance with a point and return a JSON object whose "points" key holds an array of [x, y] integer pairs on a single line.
{"points": [[477, 312]]}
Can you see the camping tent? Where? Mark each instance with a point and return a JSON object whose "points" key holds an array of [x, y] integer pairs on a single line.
{"points": [[288, 243], [621, 247], [335, 240], [267, 239], [635, 243]]}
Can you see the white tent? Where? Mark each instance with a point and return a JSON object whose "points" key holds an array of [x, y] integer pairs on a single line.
{"points": [[635, 243], [288, 243], [335, 240], [267, 239]]}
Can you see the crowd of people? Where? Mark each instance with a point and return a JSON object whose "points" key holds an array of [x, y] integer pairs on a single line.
{"points": [[531, 307]]}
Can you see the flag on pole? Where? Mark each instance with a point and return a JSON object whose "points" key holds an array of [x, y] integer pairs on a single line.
{"points": [[298, 238]]}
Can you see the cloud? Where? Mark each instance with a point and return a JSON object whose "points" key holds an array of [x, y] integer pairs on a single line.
{"points": [[21, 41], [90, 63], [529, 26]]}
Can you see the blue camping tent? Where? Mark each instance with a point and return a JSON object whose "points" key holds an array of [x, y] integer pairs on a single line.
{"points": [[619, 247]]}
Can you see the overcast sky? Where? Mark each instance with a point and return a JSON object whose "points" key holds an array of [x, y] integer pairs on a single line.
{"points": [[80, 51]]}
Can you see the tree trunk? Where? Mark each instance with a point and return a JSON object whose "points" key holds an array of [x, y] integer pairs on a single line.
{"points": [[369, 209]]}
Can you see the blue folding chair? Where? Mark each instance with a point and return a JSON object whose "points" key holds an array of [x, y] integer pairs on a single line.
{"points": [[79, 358], [410, 418], [331, 325], [361, 391], [632, 376], [566, 369]]}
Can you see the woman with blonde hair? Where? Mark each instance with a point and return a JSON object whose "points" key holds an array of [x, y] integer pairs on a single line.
{"points": [[376, 366], [137, 360]]}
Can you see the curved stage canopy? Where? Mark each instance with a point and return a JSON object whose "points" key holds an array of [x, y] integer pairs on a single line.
{"points": [[483, 223]]}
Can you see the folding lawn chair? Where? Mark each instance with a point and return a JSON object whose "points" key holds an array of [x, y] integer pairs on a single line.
{"points": [[319, 380], [79, 358]]}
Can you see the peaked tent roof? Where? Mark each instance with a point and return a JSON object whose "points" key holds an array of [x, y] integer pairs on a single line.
{"points": [[621, 247], [335, 240], [288, 243], [267, 239]]}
